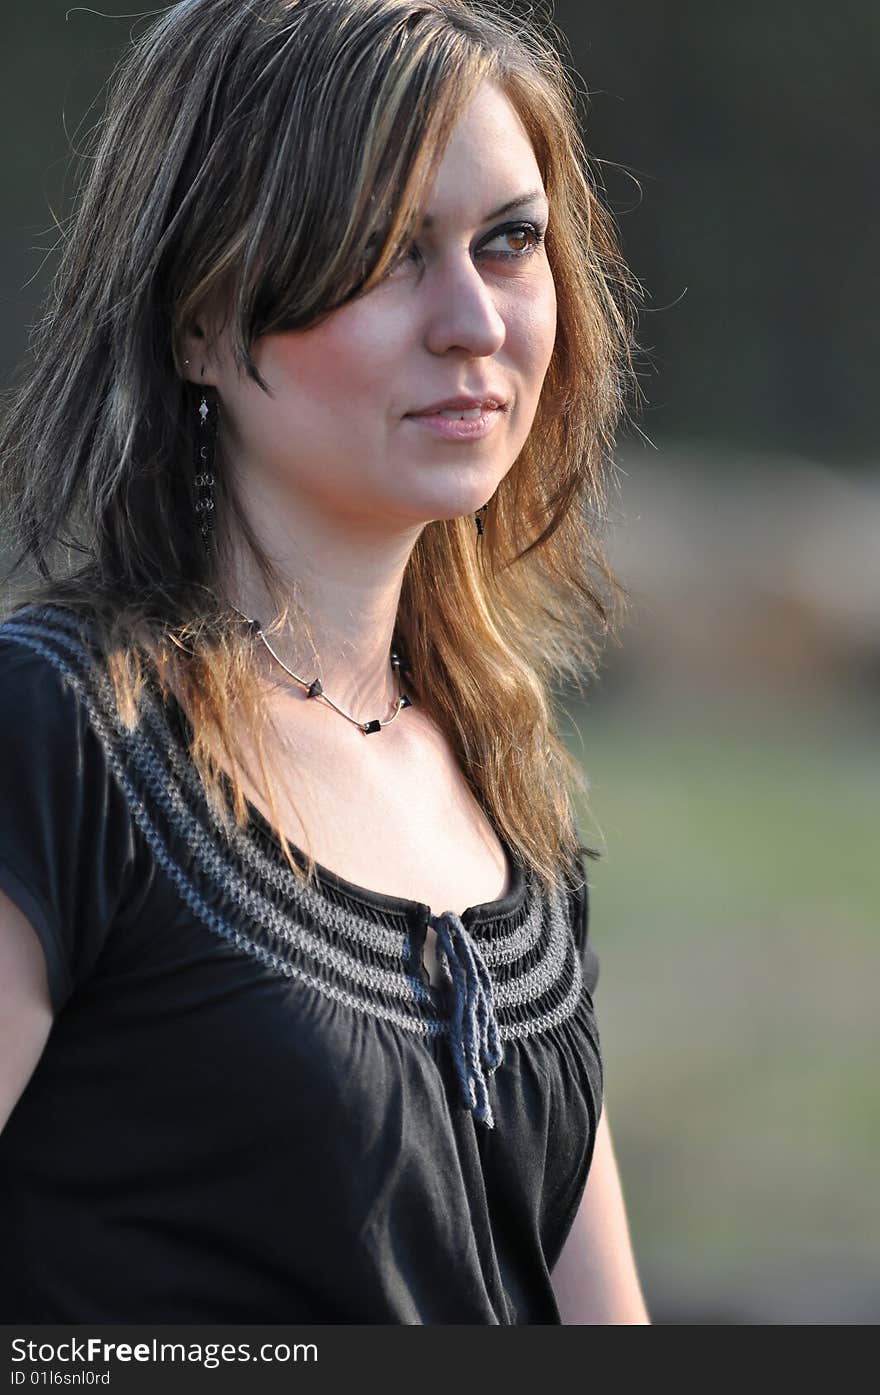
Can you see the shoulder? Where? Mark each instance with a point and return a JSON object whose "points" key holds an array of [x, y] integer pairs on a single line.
{"points": [[579, 900], [67, 843], [56, 702], [61, 732], [46, 674], [56, 699], [48, 643]]}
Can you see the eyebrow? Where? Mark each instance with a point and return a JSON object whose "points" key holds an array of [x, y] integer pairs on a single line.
{"points": [[531, 197]]}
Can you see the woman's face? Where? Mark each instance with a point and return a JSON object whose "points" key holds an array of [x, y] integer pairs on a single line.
{"points": [[471, 310]]}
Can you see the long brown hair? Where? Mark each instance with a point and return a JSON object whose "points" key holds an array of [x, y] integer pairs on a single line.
{"points": [[276, 154]]}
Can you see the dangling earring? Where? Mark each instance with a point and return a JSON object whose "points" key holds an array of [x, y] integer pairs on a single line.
{"points": [[479, 515], [204, 462]]}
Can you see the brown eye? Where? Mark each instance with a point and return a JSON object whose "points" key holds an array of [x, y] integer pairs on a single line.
{"points": [[521, 231], [527, 235]]}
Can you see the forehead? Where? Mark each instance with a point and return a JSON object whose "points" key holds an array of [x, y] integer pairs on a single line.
{"points": [[521, 200], [488, 166]]}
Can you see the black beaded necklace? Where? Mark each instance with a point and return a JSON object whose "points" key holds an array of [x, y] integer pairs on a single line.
{"points": [[315, 690]]}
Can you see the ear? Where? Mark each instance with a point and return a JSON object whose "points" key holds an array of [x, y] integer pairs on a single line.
{"points": [[193, 358]]}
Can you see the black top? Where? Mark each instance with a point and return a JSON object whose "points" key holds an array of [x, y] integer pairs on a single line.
{"points": [[252, 1105]]}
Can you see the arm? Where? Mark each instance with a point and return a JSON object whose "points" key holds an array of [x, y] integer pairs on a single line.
{"points": [[595, 1279], [25, 1009]]}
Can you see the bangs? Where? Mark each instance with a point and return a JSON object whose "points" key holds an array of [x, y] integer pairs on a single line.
{"points": [[346, 180]]}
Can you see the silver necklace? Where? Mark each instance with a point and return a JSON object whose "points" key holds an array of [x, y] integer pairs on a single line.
{"points": [[315, 690]]}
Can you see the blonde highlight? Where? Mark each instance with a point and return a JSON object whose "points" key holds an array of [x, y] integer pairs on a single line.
{"points": [[96, 440]]}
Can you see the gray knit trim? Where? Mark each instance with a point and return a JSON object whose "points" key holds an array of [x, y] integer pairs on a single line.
{"points": [[347, 922], [384, 939], [251, 903], [559, 964], [188, 891], [501, 949]]}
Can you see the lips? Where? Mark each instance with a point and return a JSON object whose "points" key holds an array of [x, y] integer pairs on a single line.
{"points": [[457, 426], [460, 404]]}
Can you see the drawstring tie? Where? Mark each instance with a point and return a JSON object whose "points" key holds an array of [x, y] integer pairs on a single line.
{"points": [[473, 1027]]}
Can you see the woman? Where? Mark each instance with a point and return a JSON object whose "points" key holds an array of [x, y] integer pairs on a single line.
{"points": [[314, 447]]}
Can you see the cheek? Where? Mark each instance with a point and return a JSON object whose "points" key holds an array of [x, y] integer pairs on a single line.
{"points": [[341, 361], [327, 414], [532, 328], [547, 318]]}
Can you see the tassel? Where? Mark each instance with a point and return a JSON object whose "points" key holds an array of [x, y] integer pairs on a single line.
{"points": [[473, 1027]]}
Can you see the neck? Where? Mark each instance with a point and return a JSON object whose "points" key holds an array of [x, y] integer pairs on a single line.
{"points": [[343, 592]]}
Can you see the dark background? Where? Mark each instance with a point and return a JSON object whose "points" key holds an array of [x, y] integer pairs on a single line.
{"points": [[732, 742], [739, 149]]}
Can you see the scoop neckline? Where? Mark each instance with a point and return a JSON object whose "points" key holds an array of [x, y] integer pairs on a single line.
{"points": [[496, 909], [500, 908]]}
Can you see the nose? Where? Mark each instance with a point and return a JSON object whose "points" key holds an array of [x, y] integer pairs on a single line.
{"points": [[461, 311]]}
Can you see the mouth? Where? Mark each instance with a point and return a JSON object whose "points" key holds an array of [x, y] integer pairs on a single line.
{"points": [[458, 424], [464, 405]]}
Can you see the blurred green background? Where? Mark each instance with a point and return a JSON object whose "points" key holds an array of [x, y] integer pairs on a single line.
{"points": [[732, 742]]}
